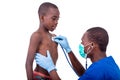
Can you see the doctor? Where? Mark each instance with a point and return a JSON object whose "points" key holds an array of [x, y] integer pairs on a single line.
{"points": [[94, 44]]}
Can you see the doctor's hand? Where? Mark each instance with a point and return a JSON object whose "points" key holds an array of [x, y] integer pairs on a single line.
{"points": [[45, 62], [63, 42]]}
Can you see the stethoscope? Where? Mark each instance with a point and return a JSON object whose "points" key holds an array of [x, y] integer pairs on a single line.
{"points": [[69, 61]]}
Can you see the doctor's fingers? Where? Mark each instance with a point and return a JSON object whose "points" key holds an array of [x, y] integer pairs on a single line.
{"points": [[60, 37]]}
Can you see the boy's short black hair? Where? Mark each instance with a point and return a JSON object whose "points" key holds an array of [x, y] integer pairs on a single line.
{"points": [[44, 7], [100, 36]]}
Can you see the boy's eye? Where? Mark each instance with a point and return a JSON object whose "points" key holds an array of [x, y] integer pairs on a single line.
{"points": [[54, 18]]}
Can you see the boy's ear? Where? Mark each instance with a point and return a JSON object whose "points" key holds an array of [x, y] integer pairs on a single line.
{"points": [[42, 18]]}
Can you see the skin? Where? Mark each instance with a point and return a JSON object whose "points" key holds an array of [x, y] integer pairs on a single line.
{"points": [[95, 54], [54, 75], [76, 64], [41, 41]]}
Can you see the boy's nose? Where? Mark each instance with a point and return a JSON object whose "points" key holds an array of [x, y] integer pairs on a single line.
{"points": [[56, 22]]}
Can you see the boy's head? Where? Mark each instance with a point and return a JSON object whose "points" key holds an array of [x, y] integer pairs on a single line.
{"points": [[48, 15], [44, 8]]}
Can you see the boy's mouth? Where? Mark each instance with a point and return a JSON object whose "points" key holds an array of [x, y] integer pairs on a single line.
{"points": [[53, 27]]}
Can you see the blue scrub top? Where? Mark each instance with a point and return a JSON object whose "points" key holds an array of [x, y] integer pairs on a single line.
{"points": [[104, 69]]}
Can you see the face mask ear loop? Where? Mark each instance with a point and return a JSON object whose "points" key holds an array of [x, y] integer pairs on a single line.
{"points": [[86, 63]]}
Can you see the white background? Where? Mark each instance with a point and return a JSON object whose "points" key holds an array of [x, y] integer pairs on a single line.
{"points": [[19, 18]]}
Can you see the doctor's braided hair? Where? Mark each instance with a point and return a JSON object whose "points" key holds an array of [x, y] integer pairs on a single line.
{"points": [[100, 36]]}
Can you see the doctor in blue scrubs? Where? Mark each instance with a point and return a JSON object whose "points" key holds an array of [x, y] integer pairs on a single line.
{"points": [[94, 44]]}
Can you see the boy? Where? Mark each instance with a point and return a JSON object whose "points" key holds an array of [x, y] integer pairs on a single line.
{"points": [[41, 41]]}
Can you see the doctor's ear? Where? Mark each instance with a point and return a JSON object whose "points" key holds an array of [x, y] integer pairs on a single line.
{"points": [[93, 44]]}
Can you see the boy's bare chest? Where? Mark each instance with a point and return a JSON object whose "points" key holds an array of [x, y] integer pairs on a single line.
{"points": [[48, 44]]}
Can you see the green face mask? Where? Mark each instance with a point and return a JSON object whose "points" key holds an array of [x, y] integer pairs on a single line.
{"points": [[81, 51]]}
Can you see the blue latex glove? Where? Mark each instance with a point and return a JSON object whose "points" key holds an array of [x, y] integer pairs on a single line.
{"points": [[63, 42], [45, 62]]}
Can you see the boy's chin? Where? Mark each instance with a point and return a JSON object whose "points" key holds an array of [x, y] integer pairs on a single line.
{"points": [[52, 30]]}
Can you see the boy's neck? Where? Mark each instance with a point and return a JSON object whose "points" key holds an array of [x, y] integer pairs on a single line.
{"points": [[43, 29]]}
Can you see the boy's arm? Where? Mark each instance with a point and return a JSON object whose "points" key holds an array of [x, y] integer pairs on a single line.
{"points": [[54, 75], [34, 41]]}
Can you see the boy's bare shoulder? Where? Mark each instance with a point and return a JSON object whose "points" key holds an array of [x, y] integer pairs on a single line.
{"points": [[36, 36]]}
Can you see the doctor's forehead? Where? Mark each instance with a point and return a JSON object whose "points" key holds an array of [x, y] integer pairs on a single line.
{"points": [[85, 37]]}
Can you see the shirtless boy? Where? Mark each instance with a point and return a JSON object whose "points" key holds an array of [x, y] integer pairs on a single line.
{"points": [[41, 41]]}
